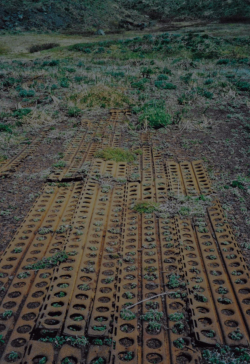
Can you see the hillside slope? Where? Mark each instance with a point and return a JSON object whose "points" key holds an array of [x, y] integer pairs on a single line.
{"points": [[89, 15]]}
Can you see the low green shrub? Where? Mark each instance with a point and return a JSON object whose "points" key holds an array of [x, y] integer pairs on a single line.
{"points": [[42, 47]]}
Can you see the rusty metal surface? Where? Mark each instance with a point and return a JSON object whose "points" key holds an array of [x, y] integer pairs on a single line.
{"points": [[90, 137], [204, 317], [102, 314], [37, 351], [233, 261], [126, 331], [73, 354], [175, 300], [174, 177], [17, 248], [11, 165], [22, 283], [202, 178], [117, 258], [225, 301], [67, 271]]}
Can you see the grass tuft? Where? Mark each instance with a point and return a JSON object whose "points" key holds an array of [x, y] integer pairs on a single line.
{"points": [[145, 207], [116, 154]]}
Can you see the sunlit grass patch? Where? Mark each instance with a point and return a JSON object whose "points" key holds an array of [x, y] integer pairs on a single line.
{"points": [[116, 154]]}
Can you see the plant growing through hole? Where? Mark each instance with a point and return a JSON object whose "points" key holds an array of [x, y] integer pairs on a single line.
{"points": [[131, 268], [152, 315], [93, 248], [179, 343], [109, 280], [2, 340], [236, 273], [17, 250], [97, 342], [127, 314], [63, 285], [177, 316], [108, 341], [100, 328], [61, 294], [7, 314], [154, 326], [222, 290], [224, 300], [212, 257], [200, 297], [43, 360], [128, 356], [236, 335], [175, 281], [129, 295], [210, 333], [44, 231], [23, 275], [178, 328], [67, 360], [13, 356], [84, 287], [78, 318], [98, 361]]}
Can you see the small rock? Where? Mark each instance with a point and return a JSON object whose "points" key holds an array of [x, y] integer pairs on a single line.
{"points": [[100, 32]]}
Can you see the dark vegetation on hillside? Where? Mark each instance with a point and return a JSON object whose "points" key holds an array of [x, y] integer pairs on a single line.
{"points": [[89, 15]]}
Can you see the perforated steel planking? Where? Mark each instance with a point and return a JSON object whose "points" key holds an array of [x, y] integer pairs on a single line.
{"points": [[233, 261], [69, 354], [187, 178], [32, 306], [56, 301], [160, 178], [37, 351], [11, 165], [202, 178], [85, 286], [87, 141], [225, 301], [96, 352], [154, 339], [175, 182], [17, 248], [204, 317], [102, 317], [126, 331], [175, 300], [48, 246]]}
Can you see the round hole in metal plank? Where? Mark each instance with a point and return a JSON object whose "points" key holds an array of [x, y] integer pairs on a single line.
{"points": [[75, 327], [51, 322], [38, 294], [127, 342], [206, 321], [83, 297], [79, 307], [10, 304], [2, 327], [203, 309], [231, 323], [154, 358], [10, 360], [29, 316], [19, 342], [154, 344], [39, 359]]}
